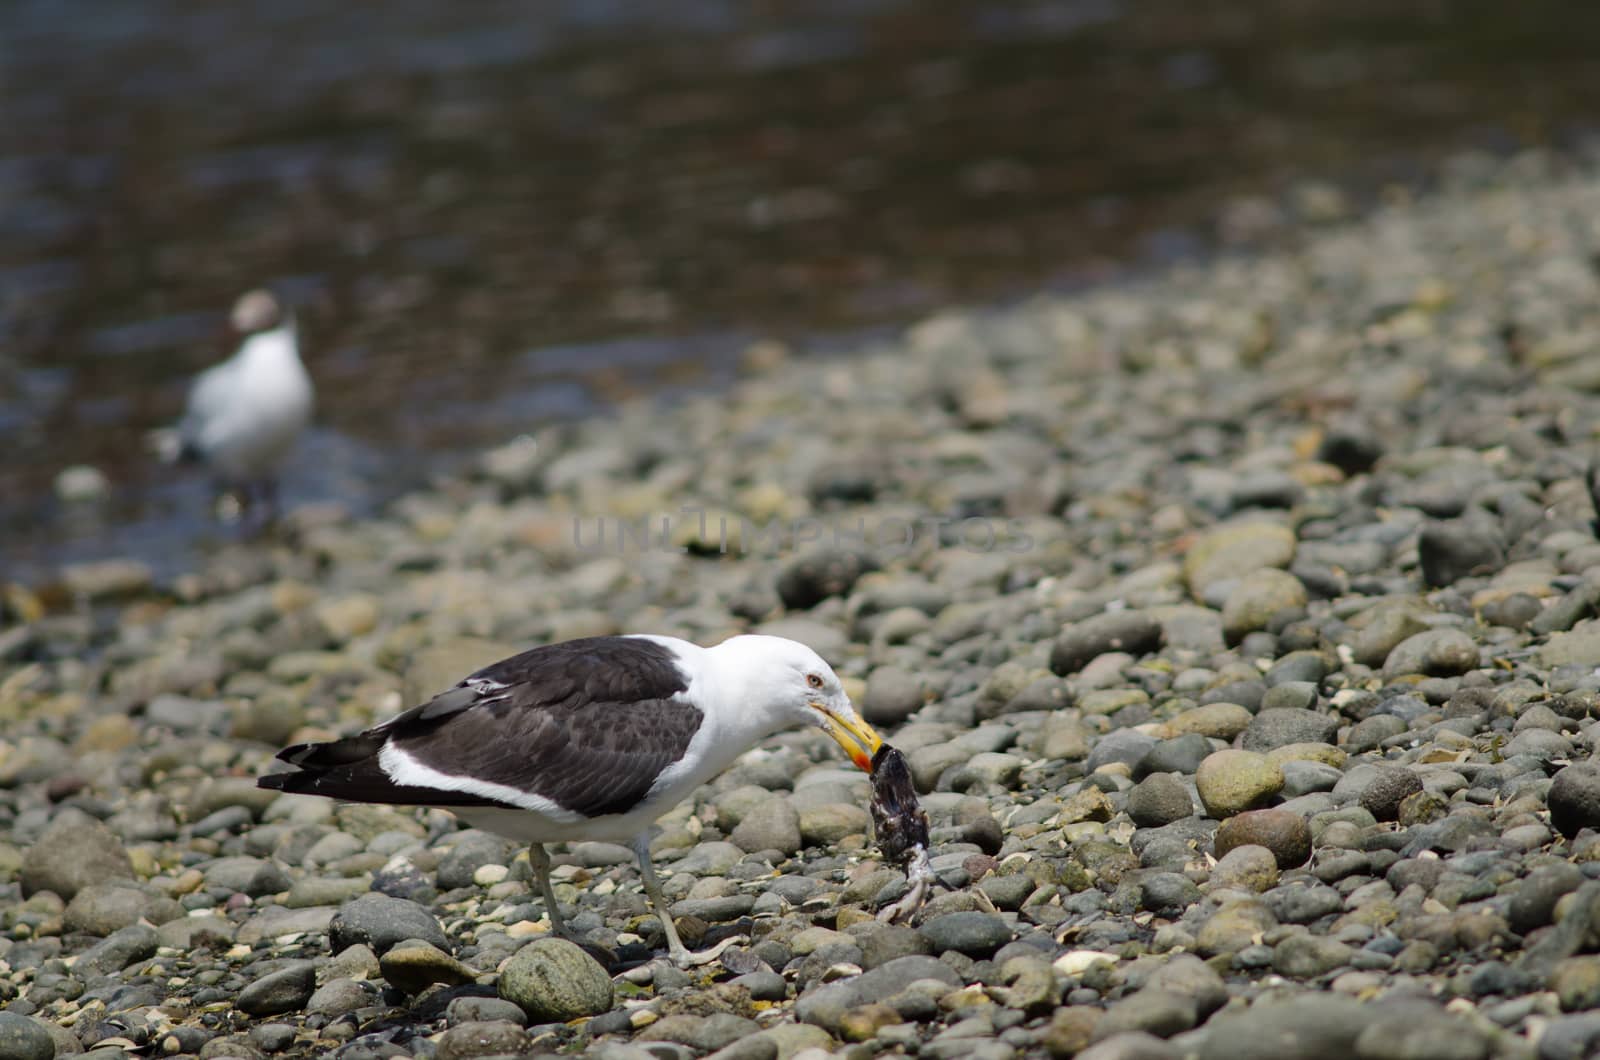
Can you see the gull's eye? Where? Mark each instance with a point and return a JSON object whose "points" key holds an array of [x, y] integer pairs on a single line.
{"points": [[814, 680]]}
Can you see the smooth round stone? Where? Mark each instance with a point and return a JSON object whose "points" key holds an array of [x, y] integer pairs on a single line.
{"points": [[1234, 550], [1432, 653], [1007, 892], [122, 947], [1181, 754], [1283, 726], [1245, 868], [1258, 597], [22, 1038], [341, 995], [75, 851], [1233, 781], [1167, 894], [1283, 832], [1574, 798], [703, 1034], [1133, 632], [482, 1038], [893, 695], [1306, 778], [1221, 721], [1576, 983], [1162, 1013], [286, 990], [273, 1037], [773, 824], [1368, 734], [554, 981], [1391, 786], [1233, 927], [809, 579], [1304, 668], [1533, 903], [1450, 551], [379, 921], [1307, 956], [471, 852], [1289, 695], [1319, 1027], [1514, 611], [1070, 1030], [102, 908], [1419, 1031], [1127, 746], [1159, 799], [412, 966], [1303, 903], [974, 934]]}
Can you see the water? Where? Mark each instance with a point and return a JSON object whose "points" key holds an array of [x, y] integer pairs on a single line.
{"points": [[496, 214]]}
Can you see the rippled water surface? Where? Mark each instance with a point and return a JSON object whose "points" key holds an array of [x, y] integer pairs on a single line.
{"points": [[494, 214]]}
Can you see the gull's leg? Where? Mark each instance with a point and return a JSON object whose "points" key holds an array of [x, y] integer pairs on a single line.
{"points": [[652, 886], [539, 858], [658, 901]]}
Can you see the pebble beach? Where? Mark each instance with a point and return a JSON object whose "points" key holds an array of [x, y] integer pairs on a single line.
{"points": [[1240, 624]]}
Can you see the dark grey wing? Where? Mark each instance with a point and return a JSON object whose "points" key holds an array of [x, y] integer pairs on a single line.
{"points": [[587, 724]]}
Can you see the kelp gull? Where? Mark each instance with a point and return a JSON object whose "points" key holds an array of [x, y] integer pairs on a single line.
{"points": [[588, 739]]}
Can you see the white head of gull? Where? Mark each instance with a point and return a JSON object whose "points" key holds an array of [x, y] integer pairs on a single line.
{"points": [[587, 739]]}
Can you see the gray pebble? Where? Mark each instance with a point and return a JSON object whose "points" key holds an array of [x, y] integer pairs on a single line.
{"points": [[286, 990], [1435, 653], [1077, 645], [75, 851], [553, 980], [1574, 798], [380, 922], [1283, 726], [1159, 799], [973, 934], [123, 947], [22, 1038], [1181, 754], [1450, 551]]}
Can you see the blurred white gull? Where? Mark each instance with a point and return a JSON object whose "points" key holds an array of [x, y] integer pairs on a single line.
{"points": [[245, 414]]}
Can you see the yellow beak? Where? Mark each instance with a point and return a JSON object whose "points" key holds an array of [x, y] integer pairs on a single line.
{"points": [[857, 738]]}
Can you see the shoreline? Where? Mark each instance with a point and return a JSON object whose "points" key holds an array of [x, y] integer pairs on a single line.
{"points": [[1283, 704]]}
